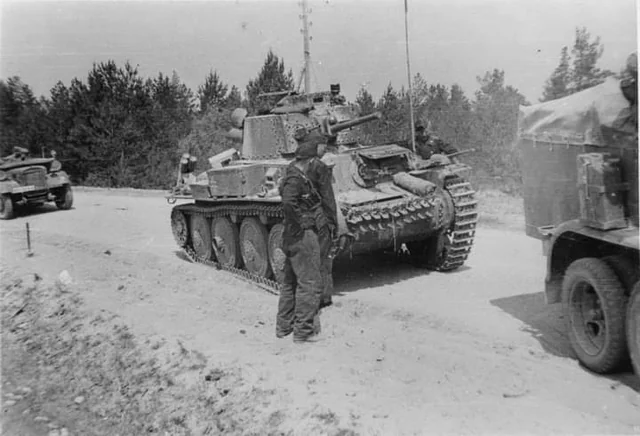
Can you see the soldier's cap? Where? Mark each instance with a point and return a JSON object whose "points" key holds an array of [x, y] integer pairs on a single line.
{"points": [[419, 127], [308, 141]]}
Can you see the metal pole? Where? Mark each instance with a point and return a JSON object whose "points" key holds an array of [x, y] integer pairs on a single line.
{"points": [[307, 50], [406, 37], [29, 253]]}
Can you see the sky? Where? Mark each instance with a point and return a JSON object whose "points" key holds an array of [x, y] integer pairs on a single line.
{"points": [[356, 43]]}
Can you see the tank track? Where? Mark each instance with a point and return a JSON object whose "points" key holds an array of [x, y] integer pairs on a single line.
{"points": [[243, 210], [359, 220], [463, 229]]}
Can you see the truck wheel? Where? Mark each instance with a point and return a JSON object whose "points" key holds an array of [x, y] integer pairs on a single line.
{"points": [[6, 207], [633, 327], [594, 303], [65, 201], [625, 269]]}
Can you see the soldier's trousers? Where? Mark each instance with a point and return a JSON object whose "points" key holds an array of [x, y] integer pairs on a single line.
{"points": [[326, 264], [299, 298]]}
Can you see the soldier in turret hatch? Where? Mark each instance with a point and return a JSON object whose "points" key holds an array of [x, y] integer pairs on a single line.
{"points": [[428, 144], [304, 218]]}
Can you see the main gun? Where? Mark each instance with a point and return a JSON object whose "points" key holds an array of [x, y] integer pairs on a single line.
{"points": [[331, 127]]}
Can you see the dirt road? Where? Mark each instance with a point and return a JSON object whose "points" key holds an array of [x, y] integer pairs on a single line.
{"points": [[404, 351]]}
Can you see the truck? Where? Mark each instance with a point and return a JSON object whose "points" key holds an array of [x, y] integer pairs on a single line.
{"points": [[32, 181], [579, 159]]}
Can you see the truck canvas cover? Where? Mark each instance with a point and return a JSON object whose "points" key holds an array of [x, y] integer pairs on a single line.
{"points": [[598, 116], [552, 135]]}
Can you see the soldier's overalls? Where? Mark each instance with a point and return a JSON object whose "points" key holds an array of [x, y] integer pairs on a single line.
{"points": [[299, 300]]}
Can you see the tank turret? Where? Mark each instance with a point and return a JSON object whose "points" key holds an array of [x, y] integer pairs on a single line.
{"points": [[387, 196]]}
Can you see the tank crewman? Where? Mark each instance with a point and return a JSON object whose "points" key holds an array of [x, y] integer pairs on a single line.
{"points": [[629, 86], [428, 144], [19, 153], [321, 176], [299, 301]]}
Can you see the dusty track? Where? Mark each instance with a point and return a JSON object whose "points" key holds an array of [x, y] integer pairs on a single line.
{"points": [[404, 352]]}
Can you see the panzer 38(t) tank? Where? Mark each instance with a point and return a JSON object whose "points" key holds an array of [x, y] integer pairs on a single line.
{"points": [[387, 195]]}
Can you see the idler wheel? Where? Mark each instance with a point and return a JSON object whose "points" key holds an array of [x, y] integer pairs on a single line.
{"points": [[179, 228], [276, 254], [254, 247], [201, 237], [226, 242]]}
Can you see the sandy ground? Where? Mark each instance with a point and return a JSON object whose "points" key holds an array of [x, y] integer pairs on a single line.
{"points": [[404, 351]]}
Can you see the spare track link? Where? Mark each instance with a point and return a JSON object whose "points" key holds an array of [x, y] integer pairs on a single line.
{"points": [[463, 229], [372, 219], [243, 210]]}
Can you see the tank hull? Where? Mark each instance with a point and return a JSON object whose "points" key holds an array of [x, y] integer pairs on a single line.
{"points": [[431, 210]]}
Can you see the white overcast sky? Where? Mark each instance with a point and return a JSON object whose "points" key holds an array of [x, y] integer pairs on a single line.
{"points": [[355, 42]]}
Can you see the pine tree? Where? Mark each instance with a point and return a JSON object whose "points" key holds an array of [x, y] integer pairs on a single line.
{"points": [[494, 125], [570, 77], [586, 54], [234, 98], [272, 78], [364, 100], [213, 92], [21, 117], [558, 85]]}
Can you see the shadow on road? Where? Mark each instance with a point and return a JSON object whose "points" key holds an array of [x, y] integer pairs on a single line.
{"points": [[31, 210], [369, 270], [545, 322], [376, 269]]}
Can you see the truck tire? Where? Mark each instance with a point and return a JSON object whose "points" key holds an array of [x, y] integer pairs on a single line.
{"points": [[65, 201], [6, 207], [594, 303], [626, 270], [633, 328]]}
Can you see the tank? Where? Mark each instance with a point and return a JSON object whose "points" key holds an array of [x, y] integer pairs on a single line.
{"points": [[31, 181], [388, 197]]}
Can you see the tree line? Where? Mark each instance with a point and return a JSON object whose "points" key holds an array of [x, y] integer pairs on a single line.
{"points": [[119, 129]]}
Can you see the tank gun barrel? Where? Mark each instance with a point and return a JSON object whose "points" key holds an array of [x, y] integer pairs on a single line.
{"points": [[333, 129]]}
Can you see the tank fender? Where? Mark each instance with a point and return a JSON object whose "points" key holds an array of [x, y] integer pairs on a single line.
{"points": [[572, 240]]}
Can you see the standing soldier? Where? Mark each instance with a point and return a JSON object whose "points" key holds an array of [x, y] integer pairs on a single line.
{"points": [[320, 175], [299, 302]]}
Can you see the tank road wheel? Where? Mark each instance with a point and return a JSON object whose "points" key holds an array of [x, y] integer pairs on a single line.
{"points": [[226, 242], [594, 303], [179, 228], [276, 254], [201, 237], [254, 247], [65, 200], [6, 207], [633, 328]]}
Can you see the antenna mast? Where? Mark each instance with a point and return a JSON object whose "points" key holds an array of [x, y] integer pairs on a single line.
{"points": [[406, 36], [306, 71]]}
